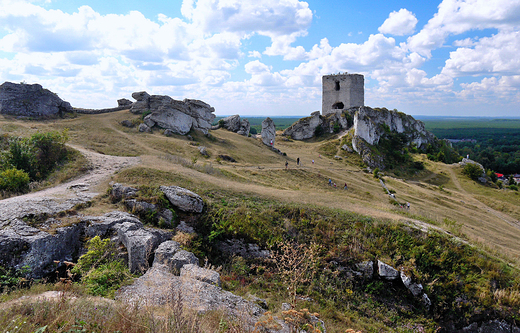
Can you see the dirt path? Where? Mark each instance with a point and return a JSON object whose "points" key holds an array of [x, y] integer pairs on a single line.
{"points": [[66, 195]]}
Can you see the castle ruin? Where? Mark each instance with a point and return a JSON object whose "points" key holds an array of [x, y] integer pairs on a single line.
{"points": [[342, 91]]}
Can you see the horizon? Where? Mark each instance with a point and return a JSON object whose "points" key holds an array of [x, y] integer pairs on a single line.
{"points": [[444, 58]]}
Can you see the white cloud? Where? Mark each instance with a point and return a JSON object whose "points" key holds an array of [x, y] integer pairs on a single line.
{"points": [[399, 23], [458, 16], [497, 54]]}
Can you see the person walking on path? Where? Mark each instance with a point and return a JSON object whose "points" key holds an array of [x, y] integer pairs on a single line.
{"points": [[330, 182], [408, 205], [298, 161], [286, 164], [345, 187], [312, 161]]}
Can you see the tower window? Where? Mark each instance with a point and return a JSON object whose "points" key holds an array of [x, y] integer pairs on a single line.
{"points": [[337, 86]]}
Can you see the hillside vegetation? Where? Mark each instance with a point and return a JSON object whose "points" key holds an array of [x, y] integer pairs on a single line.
{"points": [[459, 239]]}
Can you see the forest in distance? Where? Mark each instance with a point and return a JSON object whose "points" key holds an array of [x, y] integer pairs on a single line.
{"points": [[493, 142]]}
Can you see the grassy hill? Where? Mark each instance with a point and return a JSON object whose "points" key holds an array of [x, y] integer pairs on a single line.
{"points": [[257, 199]]}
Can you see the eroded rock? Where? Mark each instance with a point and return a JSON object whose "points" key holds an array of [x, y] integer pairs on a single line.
{"points": [[183, 199], [193, 271], [31, 100]]}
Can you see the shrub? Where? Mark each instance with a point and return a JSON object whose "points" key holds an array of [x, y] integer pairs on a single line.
{"points": [[492, 175], [102, 272], [13, 180], [472, 170], [376, 173], [513, 187]]}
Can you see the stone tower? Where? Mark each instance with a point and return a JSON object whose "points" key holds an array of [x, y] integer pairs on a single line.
{"points": [[342, 91]]}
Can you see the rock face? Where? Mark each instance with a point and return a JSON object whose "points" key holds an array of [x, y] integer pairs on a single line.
{"points": [[268, 131], [31, 100], [304, 128], [369, 128], [368, 121], [236, 124], [183, 199], [177, 116]]}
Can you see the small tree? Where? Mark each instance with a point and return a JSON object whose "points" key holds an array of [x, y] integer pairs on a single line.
{"points": [[472, 170]]}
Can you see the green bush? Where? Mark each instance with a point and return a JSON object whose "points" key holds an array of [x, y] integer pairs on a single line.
{"points": [[13, 180], [513, 187], [472, 170], [106, 279], [37, 155], [101, 270]]}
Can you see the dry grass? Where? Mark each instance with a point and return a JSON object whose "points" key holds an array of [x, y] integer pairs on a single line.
{"points": [[482, 214]]}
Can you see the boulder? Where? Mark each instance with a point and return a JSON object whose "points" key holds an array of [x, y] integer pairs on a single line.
{"points": [[120, 191], [177, 116], [149, 122], [183, 227], [145, 128], [231, 123], [227, 158], [160, 287], [268, 132], [140, 207], [387, 272], [305, 127], [245, 127], [127, 123], [203, 151], [415, 288], [237, 247], [167, 216], [183, 199], [170, 255], [140, 244], [124, 102], [202, 274], [366, 268], [347, 148], [102, 226], [31, 100], [142, 103]]}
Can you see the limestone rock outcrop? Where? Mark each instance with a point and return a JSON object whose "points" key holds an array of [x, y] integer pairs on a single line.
{"points": [[31, 100], [368, 126], [177, 116], [183, 199], [268, 131], [305, 127], [236, 124]]}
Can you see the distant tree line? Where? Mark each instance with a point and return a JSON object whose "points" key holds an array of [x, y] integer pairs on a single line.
{"points": [[497, 149]]}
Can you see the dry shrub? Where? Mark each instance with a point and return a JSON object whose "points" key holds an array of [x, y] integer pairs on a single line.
{"points": [[184, 238], [507, 297], [296, 265]]}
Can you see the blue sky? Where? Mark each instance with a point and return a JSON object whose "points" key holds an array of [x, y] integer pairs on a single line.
{"points": [[266, 57]]}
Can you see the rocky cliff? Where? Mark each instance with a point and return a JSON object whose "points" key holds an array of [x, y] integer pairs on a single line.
{"points": [[31, 100], [368, 125], [178, 116], [371, 125]]}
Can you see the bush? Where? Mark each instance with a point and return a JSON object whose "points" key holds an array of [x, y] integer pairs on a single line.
{"points": [[472, 170], [37, 155], [513, 187], [13, 180], [102, 272]]}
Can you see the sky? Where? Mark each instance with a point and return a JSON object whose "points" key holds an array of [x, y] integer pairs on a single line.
{"points": [[267, 57]]}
